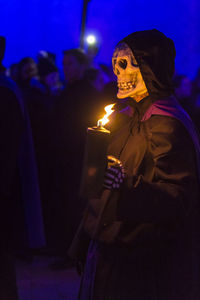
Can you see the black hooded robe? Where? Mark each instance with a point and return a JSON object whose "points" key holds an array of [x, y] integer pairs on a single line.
{"points": [[147, 243]]}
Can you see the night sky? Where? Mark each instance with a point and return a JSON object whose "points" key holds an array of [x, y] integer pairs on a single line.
{"points": [[54, 25]]}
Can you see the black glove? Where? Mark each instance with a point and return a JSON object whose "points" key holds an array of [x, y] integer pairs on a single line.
{"points": [[114, 175]]}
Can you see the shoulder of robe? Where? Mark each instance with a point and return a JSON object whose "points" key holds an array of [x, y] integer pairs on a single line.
{"points": [[158, 124], [166, 134]]}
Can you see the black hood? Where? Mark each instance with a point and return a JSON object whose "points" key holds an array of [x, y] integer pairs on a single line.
{"points": [[155, 54]]}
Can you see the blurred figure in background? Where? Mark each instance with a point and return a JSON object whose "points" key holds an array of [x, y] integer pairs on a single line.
{"points": [[76, 110], [41, 96], [13, 72], [10, 133], [75, 63], [196, 95], [49, 74], [27, 71], [110, 86], [184, 91], [21, 222], [196, 87], [29, 83], [96, 78], [105, 86]]}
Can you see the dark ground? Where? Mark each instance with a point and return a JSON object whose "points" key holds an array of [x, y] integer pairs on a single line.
{"points": [[36, 281]]}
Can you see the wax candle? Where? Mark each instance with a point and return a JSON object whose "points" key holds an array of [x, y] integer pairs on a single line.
{"points": [[95, 158]]}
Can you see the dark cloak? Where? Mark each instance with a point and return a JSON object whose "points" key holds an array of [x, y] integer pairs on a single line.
{"points": [[147, 240], [34, 236]]}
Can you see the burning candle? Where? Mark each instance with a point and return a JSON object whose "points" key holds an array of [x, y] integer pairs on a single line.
{"points": [[95, 158], [109, 110]]}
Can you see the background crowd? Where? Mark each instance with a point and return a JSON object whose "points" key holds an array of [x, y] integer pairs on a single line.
{"points": [[58, 109]]}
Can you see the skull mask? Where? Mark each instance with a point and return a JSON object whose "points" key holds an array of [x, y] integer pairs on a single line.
{"points": [[129, 77]]}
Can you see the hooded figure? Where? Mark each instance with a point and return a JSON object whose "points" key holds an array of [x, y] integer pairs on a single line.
{"points": [[146, 235]]}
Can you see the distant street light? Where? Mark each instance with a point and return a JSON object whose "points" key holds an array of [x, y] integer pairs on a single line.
{"points": [[91, 39]]}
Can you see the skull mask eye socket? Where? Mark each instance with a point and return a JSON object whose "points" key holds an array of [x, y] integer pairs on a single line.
{"points": [[123, 63]]}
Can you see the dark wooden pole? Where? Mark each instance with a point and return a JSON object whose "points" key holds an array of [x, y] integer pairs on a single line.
{"points": [[83, 22]]}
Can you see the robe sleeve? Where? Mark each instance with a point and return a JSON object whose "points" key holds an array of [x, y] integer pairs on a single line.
{"points": [[172, 192]]}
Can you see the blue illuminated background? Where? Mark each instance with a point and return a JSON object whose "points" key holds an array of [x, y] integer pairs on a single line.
{"points": [[54, 25]]}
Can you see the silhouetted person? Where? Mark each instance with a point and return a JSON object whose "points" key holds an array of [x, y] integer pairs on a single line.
{"points": [[184, 93], [21, 217], [76, 110], [50, 78]]}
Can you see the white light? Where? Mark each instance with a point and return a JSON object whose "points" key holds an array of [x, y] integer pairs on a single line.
{"points": [[91, 39]]}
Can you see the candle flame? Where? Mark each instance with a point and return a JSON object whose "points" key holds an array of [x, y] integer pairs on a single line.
{"points": [[108, 109]]}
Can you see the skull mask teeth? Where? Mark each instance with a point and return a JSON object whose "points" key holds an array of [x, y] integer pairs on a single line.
{"points": [[129, 77], [128, 85]]}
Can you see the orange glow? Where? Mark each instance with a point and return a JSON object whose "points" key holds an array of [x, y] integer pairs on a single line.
{"points": [[108, 109]]}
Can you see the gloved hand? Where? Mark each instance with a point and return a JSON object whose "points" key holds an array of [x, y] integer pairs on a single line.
{"points": [[114, 175]]}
